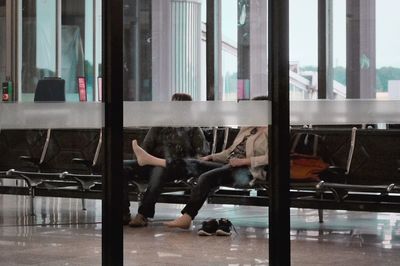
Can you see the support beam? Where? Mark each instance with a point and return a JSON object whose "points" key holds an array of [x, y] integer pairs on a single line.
{"points": [[279, 212], [258, 47], [112, 231], [325, 49], [210, 50], [361, 49]]}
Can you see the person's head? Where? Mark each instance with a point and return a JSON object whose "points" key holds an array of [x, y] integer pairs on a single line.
{"points": [[181, 97], [260, 98]]}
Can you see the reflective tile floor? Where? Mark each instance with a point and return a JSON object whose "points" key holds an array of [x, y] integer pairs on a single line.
{"points": [[62, 234]]}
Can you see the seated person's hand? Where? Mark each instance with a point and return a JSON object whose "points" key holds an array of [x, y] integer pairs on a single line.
{"points": [[235, 162], [206, 158]]}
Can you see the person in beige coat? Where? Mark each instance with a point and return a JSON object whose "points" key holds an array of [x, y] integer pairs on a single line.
{"points": [[243, 162]]}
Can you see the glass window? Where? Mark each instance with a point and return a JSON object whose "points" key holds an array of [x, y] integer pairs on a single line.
{"points": [[303, 48], [137, 49], [50, 138], [172, 129], [66, 46], [80, 48], [38, 44], [387, 49], [229, 29], [241, 66], [75, 45]]}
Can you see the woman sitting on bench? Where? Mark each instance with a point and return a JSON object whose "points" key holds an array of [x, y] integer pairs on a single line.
{"points": [[241, 163]]}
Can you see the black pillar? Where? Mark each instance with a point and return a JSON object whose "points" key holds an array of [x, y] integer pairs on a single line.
{"points": [[278, 73], [210, 50], [325, 49], [243, 49], [322, 60], [112, 233], [361, 49]]}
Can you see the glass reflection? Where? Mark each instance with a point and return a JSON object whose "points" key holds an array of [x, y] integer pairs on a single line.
{"points": [[240, 163], [240, 52]]}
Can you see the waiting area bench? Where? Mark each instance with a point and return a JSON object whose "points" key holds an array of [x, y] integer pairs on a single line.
{"points": [[68, 163]]}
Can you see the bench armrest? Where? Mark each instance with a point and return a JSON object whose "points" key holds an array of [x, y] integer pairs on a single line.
{"points": [[30, 159], [85, 162], [334, 174]]}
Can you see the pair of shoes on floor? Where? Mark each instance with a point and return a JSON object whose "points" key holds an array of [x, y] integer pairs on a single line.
{"points": [[220, 228], [138, 221]]}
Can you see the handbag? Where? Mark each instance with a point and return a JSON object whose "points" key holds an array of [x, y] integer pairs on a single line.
{"points": [[306, 167]]}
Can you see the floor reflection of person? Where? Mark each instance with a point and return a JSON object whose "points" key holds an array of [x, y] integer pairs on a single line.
{"points": [[241, 163], [171, 143]]}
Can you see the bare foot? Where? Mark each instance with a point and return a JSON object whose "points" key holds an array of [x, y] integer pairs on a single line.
{"points": [[183, 222], [141, 155]]}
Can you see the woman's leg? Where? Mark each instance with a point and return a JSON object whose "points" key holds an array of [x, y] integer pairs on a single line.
{"points": [[144, 158], [193, 166], [207, 181]]}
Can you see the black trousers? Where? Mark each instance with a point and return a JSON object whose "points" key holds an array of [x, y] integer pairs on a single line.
{"points": [[157, 177], [211, 175], [222, 175]]}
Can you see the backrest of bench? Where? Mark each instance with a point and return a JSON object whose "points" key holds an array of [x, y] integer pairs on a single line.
{"points": [[375, 155], [16, 143], [375, 159]]}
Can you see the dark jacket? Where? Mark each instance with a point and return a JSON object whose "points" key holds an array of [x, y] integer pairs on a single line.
{"points": [[176, 142]]}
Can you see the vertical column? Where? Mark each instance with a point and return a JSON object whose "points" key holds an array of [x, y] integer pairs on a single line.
{"points": [[58, 37], [329, 49], [161, 46], [94, 45], [7, 32], [131, 49], [112, 233], [176, 27], [361, 49], [136, 51], [16, 72], [322, 58], [325, 49], [185, 39], [278, 73], [258, 48], [243, 49], [210, 49]]}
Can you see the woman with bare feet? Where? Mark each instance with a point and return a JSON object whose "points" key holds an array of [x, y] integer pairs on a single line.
{"points": [[241, 163]]}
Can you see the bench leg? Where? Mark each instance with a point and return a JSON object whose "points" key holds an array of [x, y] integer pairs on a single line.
{"points": [[321, 215], [83, 204], [321, 211], [32, 196]]}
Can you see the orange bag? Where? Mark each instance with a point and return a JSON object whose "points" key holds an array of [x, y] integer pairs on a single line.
{"points": [[306, 167]]}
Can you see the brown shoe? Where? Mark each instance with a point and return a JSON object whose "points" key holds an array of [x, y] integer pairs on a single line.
{"points": [[138, 221]]}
